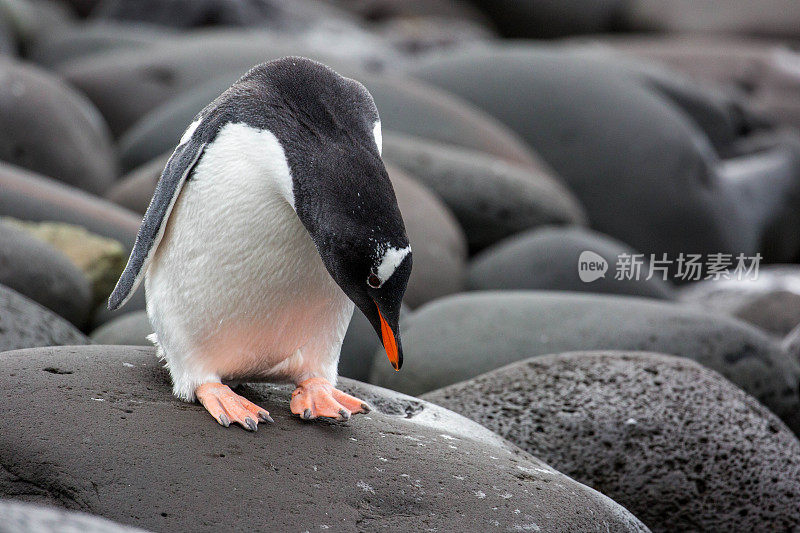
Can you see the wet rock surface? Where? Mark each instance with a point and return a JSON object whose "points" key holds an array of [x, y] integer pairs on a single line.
{"points": [[146, 458], [26, 324], [681, 447], [459, 337]]}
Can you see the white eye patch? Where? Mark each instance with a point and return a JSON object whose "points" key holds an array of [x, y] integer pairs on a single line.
{"points": [[390, 260], [376, 132]]}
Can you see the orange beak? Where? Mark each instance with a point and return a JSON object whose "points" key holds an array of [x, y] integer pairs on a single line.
{"points": [[389, 342]]}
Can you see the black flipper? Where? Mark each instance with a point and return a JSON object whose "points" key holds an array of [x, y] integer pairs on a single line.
{"points": [[177, 171]]}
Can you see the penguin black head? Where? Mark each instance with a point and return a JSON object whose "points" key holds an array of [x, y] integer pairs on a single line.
{"points": [[329, 130]]}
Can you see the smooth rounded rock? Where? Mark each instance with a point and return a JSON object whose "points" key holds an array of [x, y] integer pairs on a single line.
{"points": [[130, 329], [26, 324], [674, 442], [28, 196], [491, 199], [558, 259], [126, 85], [672, 191], [79, 41], [438, 243], [462, 336], [151, 461], [405, 106], [771, 301], [21, 517], [47, 127], [45, 275]]}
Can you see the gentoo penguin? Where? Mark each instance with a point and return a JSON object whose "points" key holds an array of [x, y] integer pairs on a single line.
{"points": [[273, 216]]}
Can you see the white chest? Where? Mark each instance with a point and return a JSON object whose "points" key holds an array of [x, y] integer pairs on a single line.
{"points": [[237, 282]]}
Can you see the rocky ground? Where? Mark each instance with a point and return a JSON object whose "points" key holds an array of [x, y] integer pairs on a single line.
{"points": [[583, 184]]}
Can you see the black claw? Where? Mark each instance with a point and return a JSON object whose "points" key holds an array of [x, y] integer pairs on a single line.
{"points": [[344, 415], [366, 408], [264, 416], [307, 414], [224, 420], [251, 424]]}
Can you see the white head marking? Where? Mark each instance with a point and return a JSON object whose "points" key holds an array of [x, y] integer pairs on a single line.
{"points": [[376, 132], [390, 260]]}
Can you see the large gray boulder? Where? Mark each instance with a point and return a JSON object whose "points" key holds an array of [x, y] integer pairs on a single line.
{"points": [[20, 517], [26, 324], [491, 198], [76, 42], [43, 274], [151, 461], [462, 336], [675, 443], [549, 259], [48, 127], [689, 178]]}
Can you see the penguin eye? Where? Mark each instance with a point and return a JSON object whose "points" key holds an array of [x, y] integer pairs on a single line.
{"points": [[374, 281]]}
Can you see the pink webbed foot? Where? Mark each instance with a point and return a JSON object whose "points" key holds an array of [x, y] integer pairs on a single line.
{"points": [[317, 398], [226, 406]]}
